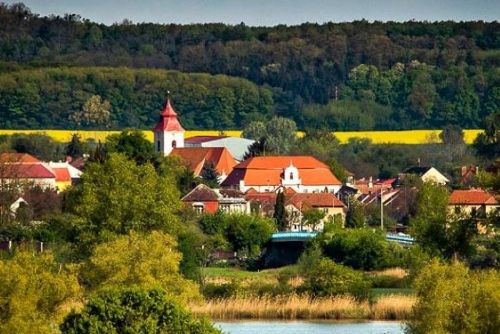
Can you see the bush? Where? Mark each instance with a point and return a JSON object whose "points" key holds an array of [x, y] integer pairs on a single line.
{"points": [[326, 278], [133, 310], [363, 249], [215, 291], [453, 299]]}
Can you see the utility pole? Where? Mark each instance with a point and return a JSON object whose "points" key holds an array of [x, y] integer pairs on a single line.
{"points": [[381, 209]]}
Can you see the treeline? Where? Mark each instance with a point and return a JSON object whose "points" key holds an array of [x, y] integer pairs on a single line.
{"points": [[387, 75], [48, 97]]}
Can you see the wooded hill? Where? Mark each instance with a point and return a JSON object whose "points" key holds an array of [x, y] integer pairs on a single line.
{"points": [[357, 75]]}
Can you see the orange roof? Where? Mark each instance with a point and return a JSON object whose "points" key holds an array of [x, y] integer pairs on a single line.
{"points": [[18, 158], [62, 174], [280, 162], [268, 170], [197, 157], [315, 200], [472, 197]]}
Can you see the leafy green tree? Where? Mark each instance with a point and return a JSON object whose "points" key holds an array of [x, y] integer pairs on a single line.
{"points": [[355, 216], [452, 135], [35, 291], [278, 134], [313, 217], [321, 144], [248, 234], [452, 299], [118, 196], [39, 145], [147, 261], [280, 214], [133, 144], [428, 226], [134, 311]]}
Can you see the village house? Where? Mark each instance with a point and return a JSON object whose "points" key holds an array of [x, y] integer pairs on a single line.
{"points": [[23, 169], [303, 174], [297, 204], [476, 202], [426, 174], [204, 199]]}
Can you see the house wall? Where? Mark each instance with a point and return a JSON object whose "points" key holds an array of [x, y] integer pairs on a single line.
{"points": [[467, 209], [433, 175], [208, 207], [299, 188]]}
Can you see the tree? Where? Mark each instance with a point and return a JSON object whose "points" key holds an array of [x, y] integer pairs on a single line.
{"points": [[247, 234], [95, 112], [75, 148], [487, 144], [209, 175], [355, 216], [39, 145], [118, 196], [147, 261], [34, 292], [280, 214], [452, 135], [313, 217], [133, 144], [134, 311], [278, 134], [452, 299]]}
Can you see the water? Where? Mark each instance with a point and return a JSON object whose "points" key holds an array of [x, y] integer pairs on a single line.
{"points": [[301, 327]]}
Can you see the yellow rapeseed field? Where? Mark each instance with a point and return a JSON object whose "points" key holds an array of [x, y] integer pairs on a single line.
{"points": [[377, 137]]}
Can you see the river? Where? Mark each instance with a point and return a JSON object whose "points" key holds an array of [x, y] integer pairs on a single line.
{"points": [[315, 327]]}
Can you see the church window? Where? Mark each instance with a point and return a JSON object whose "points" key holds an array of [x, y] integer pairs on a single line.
{"points": [[174, 144], [291, 176], [158, 146]]}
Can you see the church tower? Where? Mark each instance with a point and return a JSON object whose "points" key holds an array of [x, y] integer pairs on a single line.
{"points": [[168, 132]]}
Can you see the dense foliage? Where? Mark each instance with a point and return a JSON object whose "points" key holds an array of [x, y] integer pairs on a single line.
{"points": [[34, 290], [454, 299], [351, 75], [134, 311]]}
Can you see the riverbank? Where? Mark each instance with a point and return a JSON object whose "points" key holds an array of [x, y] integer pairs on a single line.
{"points": [[295, 307]]}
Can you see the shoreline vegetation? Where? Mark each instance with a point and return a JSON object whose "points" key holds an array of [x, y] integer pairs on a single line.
{"points": [[296, 307], [377, 137]]}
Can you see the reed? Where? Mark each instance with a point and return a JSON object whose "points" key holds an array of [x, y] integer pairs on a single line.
{"points": [[293, 307]]}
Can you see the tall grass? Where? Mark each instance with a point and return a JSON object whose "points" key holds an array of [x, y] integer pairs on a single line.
{"points": [[292, 307]]}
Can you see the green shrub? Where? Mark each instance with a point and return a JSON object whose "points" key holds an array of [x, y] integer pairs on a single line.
{"points": [[133, 310], [215, 291], [327, 278]]}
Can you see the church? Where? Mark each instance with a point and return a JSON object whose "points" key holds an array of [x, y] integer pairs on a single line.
{"points": [[169, 140]]}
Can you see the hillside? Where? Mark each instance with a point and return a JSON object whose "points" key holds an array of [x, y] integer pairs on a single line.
{"points": [[342, 76]]}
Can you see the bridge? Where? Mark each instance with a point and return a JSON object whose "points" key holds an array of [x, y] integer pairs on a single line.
{"points": [[293, 236]]}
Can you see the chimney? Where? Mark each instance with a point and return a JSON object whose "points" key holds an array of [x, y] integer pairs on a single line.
{"points": [[464, 170], [370, 182]]}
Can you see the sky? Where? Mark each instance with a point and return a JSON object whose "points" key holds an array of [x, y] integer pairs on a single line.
{"points": [[268, 12]]}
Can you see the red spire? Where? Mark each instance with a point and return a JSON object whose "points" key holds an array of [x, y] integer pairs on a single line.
{"points": [[168, 120]]}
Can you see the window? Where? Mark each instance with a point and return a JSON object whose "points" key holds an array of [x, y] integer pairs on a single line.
{"points": [[198, 208], [158, 146], [291, 176], [174, 144]]}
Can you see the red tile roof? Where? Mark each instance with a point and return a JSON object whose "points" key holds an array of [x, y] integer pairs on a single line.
{"points": [[197, 157], [18, 158], [62, 174], [315, 200], [201, 193], [472, 197], [168, 120], [25, 171], [268, 171]]}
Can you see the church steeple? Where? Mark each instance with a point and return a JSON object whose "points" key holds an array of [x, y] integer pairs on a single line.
{"points": [[168, 132]]}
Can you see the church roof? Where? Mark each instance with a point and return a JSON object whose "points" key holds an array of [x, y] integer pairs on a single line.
{"points": [[168, 120], [268, 170], [197, 157]]}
